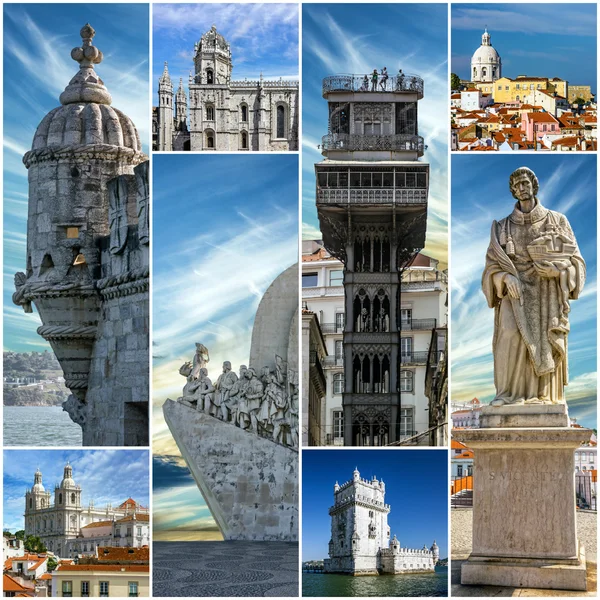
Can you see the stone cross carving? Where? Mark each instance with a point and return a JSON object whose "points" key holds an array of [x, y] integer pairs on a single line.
{"points": [[533, 269], [265, 404]]}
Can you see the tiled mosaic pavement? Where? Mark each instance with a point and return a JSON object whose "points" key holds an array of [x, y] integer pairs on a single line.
{"points": [[225, 569]]}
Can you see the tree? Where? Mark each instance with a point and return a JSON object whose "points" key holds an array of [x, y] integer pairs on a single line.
{"points": [[20, 535], [454, 81], [579, 101], [34, 544], [52, 563]]}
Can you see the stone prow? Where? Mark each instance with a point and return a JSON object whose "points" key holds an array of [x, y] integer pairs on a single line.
{"points": [[249, 483]]}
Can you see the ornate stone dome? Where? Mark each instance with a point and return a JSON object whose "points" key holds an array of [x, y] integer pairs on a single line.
{"points": [[213, 40], [86, 116]]}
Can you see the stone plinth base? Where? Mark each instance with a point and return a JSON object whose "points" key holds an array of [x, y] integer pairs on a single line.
{"points": [[524, 415], [524, 519], [526, 573], [250, 483]]}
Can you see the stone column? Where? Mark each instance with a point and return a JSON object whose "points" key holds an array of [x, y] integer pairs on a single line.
{"points": [[524, 512]]}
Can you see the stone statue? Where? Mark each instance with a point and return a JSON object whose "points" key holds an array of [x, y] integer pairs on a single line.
{"points": [[266, 406], [223, 387], [533, 269]]}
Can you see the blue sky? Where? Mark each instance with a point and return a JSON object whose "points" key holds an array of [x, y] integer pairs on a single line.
{"points": [[541, 40], [263, 37], [38, 39], [480, 194], [355, 38], [104, 476], [415, 488], [225, 227]]}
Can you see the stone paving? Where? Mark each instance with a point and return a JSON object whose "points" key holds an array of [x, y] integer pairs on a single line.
{"points": [[461, 530], [238, 568]]}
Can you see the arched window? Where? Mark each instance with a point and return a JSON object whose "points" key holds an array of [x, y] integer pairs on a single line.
{"points": [[210, 113], [244, 113], [30, 503], [73, 498], [209, 76], [60, 498], [210, 140], [280, 121], [244, 140], [474, 72]]}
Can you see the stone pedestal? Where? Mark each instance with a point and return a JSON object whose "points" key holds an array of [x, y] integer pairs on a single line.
{"points": [[524, 521]]}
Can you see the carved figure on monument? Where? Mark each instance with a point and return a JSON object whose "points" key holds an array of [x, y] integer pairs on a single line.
{"points": [[201, 359], [223, 386], [533, 269], [192, 385], [205, 394], [236, 395], [254, 394]]}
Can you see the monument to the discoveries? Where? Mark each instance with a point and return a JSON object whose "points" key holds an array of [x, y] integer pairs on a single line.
{"points": [[88, 254], [239, 434], [524, 534]]}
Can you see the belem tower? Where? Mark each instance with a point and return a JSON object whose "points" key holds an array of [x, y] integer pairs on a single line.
{"points": [[67, 528], [224, 114], [87, 264], [360, 536]]}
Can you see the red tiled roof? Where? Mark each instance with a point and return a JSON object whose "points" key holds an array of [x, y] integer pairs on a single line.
{"points": [[117, 568], [131, 554], [9, 584]]}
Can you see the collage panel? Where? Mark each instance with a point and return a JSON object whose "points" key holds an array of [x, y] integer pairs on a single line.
{"points": [[76, 235], [87, 536], [375, 222], [523, 372], [359, 510], [225, 375], [238, 72], [533, 87]]}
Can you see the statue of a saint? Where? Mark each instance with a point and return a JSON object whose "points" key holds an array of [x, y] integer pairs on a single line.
{"points": [[533, 269]]}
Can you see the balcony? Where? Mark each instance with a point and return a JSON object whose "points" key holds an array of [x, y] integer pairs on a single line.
{"points": [[315, 292], [334, 361], [356, 83], [332, 328], [352, 142], [414, 358], [403, 196], [418, 325]]}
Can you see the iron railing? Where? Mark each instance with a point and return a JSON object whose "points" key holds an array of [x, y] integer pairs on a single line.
{"points": [[417, 324], [356, 83], [332, 328], [414, 358], [357, 142], [461, 491], [371, 196], [585, 490], [334, 361]]}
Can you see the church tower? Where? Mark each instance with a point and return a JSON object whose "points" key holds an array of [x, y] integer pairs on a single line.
{"points": [[486, 65], [36, 499], [165, 111], [371, 195], [67, 500], [209, 108], [180, 108], [359, 526]]}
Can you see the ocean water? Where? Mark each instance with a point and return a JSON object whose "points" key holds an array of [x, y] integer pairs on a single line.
{"points": [[39, 426], [422, 584]]}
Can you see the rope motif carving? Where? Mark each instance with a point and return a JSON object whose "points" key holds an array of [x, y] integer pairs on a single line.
{"points": [[55, 332]]}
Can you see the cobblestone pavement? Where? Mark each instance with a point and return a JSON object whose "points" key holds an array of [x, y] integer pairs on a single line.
{"points": [[461, 530], [225, 569]]}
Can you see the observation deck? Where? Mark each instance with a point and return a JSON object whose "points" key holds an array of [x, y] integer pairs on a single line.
{"points": [[404, 83]]}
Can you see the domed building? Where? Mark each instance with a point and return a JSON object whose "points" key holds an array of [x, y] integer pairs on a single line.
{"points": [[87, 261], [486, 64]]}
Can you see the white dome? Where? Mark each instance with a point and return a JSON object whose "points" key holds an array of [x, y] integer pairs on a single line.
{"points": [[486, 54]]}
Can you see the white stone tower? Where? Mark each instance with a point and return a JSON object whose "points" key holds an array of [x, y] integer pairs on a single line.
{"points": [[359, 526], [165, 110], [180, 108], [435, 551], [37, 497], [210, 110], [486, 65], [371, 197], [67, 499]]}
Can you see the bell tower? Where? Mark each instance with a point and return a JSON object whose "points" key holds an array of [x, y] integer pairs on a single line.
{"points": [[165, 110], [212, 59]]}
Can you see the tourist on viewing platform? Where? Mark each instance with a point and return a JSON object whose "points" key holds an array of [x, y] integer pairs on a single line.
{"points": [[400, 79], [384, 78], [374, 77], [365, 85]]}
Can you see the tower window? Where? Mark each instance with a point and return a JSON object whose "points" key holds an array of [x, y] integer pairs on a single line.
{"points": [[210, 141], [244, 113], [280, 121], [210, 113], [209, 76], [244, 140], [60, 498], [72, 233], [73, 498]]}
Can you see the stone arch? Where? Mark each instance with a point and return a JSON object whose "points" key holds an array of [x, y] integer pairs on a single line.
{"points": [[280, 122], [211, 141], [210, 76], [244, 140]]}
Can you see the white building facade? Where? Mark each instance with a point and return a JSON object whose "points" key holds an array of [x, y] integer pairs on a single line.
{"points": [[423, 310], [67, 528], [225, 114], [360, 536]]}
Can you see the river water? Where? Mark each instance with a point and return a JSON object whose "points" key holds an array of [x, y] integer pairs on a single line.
{"points": [[422, 584], [39, 426]]}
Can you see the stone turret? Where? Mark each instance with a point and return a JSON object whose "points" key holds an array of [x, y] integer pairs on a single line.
{"points": [[181, 108], [436, 552], [78, 148], [165, 110]]}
